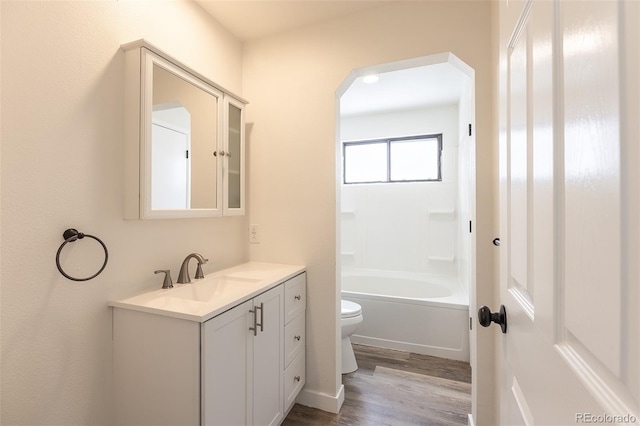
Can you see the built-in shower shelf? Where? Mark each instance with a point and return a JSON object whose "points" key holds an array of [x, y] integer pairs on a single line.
{"points": [[449, 259], [442, 214]]}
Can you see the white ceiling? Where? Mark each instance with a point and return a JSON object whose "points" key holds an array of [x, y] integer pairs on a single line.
{"points": [[253, 19], [411, 88]]}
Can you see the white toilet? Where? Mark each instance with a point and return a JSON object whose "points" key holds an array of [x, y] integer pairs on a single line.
{"points": [[350, 321]]}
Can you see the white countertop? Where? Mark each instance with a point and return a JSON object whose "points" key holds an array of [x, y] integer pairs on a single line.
{"points": [[219, 291]]}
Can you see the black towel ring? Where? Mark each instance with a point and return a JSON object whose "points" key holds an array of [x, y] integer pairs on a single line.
{"points": [[71, 235]]}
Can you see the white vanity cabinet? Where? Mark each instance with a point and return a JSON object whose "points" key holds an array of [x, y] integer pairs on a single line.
{"points": [[295, 295], [242, 355], [243, 366]]}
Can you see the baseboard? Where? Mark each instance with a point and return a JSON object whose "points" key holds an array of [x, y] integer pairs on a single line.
{"points": [[321, 401], [448, 353], [471, 421]]}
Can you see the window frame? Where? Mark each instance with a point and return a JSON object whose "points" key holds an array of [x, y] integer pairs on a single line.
{"points": [[388, 142]]}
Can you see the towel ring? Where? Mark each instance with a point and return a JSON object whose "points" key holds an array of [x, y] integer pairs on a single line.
{"points": [[71, 235]]}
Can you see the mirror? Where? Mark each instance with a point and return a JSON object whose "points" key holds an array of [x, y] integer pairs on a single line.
{"points": [[183, 141], [182, 123]]}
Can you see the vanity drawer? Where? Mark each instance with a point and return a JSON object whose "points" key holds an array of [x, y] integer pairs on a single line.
{"points": [[294, 379], [293, 338], [295, 296]]}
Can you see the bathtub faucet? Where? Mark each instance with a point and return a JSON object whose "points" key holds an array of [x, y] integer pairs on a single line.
{"points": [[183, 275]]}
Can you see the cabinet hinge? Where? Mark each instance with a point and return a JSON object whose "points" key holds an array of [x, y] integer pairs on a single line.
{"points": [[469, 129], [187, 153], [470, 227]]}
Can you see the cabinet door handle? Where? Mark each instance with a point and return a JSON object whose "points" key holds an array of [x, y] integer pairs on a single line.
{"points": [[297, 378], [297, 338], [255, 321], [261, 324], [298, 297]]}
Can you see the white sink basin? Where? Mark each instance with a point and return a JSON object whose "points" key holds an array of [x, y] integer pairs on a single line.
{"points": [[203, 299], [209, 289]]}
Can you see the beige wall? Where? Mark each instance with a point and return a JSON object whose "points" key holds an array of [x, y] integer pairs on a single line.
{"points": [[291, 81], [62, 124]]}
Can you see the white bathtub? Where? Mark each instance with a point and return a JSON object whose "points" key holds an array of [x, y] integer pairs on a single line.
{"points": [[410, 312]]}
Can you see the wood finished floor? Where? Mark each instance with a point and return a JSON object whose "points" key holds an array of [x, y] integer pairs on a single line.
{"points": [[397, 388]]}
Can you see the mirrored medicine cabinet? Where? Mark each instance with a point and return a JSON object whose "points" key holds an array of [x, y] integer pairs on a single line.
{"points": [[184, 140]]}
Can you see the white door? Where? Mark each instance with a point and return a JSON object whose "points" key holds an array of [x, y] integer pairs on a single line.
{"points": [[170, 168], [569, 215]]}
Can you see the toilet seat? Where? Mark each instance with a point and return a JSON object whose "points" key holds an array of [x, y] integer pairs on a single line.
{"points": [[350, 309]]}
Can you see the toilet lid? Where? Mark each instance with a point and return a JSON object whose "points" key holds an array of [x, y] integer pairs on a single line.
{"points": [[350, 309]]}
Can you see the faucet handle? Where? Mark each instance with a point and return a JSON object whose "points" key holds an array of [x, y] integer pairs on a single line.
{"points": [[167, 283], [199, 273]]}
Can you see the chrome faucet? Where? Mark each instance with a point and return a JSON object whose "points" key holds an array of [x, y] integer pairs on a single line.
{"points": [[183, 275]]}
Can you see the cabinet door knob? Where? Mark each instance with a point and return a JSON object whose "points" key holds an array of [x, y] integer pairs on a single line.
{"points": [[297, 338], [297, 378], [297, 297]]}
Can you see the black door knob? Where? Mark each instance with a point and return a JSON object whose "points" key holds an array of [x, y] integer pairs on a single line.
{"points": [[485, 317]]}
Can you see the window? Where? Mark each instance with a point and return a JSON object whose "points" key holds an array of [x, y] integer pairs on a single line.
{"points": [[409, 159]]}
